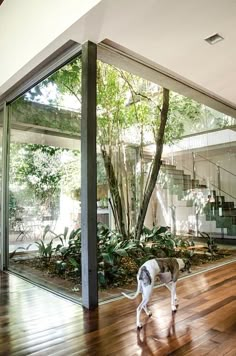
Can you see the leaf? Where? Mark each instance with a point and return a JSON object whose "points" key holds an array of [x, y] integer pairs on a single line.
{"points": [[159, 230], [66, 229], [108, 258], [101, 278], [73, 262], [121, 252]]}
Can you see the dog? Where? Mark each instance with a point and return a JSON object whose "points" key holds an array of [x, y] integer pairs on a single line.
{"points": [[167, 269]]}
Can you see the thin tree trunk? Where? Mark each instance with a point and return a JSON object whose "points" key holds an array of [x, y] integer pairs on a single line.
{"points": [[120, 174], [114, 190], [126, 190], [141, 168], [114, 214], [156, 165]]}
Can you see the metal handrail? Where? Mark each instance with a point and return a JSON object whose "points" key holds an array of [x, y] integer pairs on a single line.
{"points": [[194, 154], [215, 164], [203, 178], [207, 159]]}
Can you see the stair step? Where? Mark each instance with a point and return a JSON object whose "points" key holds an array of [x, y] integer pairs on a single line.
{"points": [[227, 205], [182, 186], [172, 172], [231, 231], [229, 212], [168, 166], [222, 221]]}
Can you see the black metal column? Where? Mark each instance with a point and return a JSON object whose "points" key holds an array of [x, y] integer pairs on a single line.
{"points": [[5, 192], [89, 177]]}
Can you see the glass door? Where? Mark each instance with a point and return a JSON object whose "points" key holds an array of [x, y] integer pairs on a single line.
{"points": [[1, 230], [44, 182]]}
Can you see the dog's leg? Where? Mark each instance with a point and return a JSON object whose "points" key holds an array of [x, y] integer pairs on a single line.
{"points": [[168, 287], [172, 289], [173, 296], [147, 291], [147, 311]]}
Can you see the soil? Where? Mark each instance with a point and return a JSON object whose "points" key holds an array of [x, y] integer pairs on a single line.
{"points": [[37, 271]]}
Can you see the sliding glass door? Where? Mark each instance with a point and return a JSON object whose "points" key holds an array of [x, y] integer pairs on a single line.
{"points": [[44, 182], [1, 165]]}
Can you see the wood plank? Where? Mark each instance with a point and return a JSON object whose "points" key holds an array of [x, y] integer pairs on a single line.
{"points": [[36, 322]]}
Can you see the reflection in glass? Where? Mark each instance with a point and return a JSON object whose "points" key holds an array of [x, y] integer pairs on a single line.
{"points": [[44, 194], [1, 129], [192, 200]]}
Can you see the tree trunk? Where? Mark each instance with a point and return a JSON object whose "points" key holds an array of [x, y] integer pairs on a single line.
{"points": [[114, 190], [156, 165], [141, 189]]}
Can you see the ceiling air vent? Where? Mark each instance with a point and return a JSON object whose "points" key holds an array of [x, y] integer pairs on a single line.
{"points": [[214, 39]]}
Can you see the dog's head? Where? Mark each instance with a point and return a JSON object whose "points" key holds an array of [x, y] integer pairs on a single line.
{"points": [[187, 265]]}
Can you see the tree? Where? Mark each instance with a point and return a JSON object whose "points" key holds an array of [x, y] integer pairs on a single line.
{"points": [[156, 163], [132, 112], [127, 102], [38, 168]]}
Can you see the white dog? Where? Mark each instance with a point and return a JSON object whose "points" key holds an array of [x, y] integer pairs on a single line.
{"points": [[168, 271]]}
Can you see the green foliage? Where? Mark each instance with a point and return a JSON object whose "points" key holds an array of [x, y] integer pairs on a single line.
{"points": [[45, 250], [60, 267], [128, 111], [12, 254], [211, 244], [165, 244], [12, 205], [73, 250], [118, 259], [68, 79], [125, 102], [71, 173], [111, 250], [47, 115], [39, 169]]}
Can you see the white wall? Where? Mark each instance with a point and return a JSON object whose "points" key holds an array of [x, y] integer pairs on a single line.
{"points": [[28, 29]]}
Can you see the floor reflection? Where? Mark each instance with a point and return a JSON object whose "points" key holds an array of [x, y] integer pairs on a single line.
{"points": [[161, 340]]}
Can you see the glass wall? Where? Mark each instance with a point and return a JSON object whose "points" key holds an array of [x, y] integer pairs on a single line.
{"points": [[1, 133], [179, 203], [45, 182], [165, 186]]}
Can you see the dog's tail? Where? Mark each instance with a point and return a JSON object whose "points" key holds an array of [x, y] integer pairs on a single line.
{"points": [[137, 291]]}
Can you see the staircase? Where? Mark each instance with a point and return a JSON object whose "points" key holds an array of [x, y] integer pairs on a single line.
{"points": [[224, 213], [193, 211]]}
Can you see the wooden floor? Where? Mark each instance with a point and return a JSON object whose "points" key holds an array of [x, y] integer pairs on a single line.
{"points": [[36, 322]]}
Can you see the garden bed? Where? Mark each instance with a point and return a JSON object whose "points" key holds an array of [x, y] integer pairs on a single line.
{"points": [[44, 274]]}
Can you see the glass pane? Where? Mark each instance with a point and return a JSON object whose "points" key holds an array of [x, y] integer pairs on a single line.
{"points": [[1, 130], [184, 209], [45, 181]]}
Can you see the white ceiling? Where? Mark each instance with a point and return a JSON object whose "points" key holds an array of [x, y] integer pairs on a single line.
{"points": [[169, 33]]}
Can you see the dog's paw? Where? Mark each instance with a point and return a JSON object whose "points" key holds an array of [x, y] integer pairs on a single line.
{"points": [[173, 308], [139, 326]]}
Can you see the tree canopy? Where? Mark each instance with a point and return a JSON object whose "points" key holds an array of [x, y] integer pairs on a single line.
{"points": [[131, 114]]}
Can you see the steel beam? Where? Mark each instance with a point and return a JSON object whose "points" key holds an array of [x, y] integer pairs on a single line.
{"points": [[89, 177]]}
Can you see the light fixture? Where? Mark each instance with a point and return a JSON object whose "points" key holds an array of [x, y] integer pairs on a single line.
{"points": [[213, 39]]}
